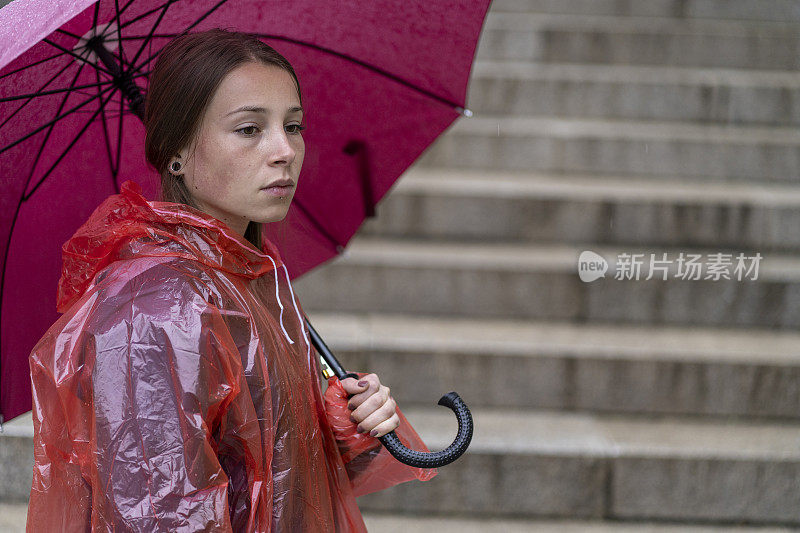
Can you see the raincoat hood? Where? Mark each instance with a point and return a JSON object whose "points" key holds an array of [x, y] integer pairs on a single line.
{"points": [[127, 225], [178, 391]]}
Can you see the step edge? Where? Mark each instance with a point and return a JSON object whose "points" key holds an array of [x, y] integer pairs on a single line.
{"points": [[569, 128], [509, 69], [541, 338], [537, 21], [380, 251], [543, 185], [605, 436]]}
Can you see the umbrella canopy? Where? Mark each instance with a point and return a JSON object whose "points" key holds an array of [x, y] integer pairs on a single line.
{"points": [[381, 80]]}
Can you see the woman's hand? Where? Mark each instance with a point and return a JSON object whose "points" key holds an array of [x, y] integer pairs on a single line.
{"points": [[371, 406]]}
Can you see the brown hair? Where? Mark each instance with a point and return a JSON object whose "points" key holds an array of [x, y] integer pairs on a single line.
{"points": [[183, 80]]}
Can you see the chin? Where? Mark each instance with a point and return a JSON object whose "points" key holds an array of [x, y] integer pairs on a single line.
{"points": [[274, 216]]}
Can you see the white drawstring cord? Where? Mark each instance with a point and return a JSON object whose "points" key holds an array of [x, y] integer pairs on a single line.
{"points": [[277, 297], [299, 317]]}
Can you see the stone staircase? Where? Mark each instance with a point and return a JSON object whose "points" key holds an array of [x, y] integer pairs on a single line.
{"points": [[646, 126], [617, 126]]}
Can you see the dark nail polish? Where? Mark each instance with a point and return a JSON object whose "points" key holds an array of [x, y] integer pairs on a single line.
{"points": [[373, 432], [360, 429], [350, 407], [353, 419], [362, 383]]}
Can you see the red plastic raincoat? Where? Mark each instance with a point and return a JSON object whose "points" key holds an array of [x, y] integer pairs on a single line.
{"points": [[179, 391]]}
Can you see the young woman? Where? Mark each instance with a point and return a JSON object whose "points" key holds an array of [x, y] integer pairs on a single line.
{"points": [[178, 391]]}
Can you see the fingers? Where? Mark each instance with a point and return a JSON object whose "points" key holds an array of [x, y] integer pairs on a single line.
{"points": [[360, 394], [371, 405], [351, 386], [374, 403], [385, 427], [383, 419]]}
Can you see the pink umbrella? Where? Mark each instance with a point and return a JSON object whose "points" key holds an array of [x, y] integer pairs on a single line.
{"points": [[381, 81]]}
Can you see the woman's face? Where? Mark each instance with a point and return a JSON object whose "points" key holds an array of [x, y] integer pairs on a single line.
{"points": [[236, 154]]}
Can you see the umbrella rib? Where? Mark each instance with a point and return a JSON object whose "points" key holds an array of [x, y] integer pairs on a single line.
{"points": [[105, 136], [108, 114], [339, 246], [39, 62], [152, 30], [54, 91], [43, 126], [71, 144], [96, 14], [122, 63], [204, 16], [119, 142], [195, 23], [69, 33], [122, 60], [139, 17], [75, 89], [76, 56], [121, 11], [150, 12], [358, 149], [49, 132], [31, 96]]}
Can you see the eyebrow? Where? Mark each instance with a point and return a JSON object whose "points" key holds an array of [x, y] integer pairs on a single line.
{"points": [[262, 110]]}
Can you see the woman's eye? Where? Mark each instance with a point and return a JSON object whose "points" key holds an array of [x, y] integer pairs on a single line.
{"points": [[297, 129], [248, 128]]}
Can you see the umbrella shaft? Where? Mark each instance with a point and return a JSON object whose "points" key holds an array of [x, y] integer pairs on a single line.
{"points": [[330, 365], [123, 80]]}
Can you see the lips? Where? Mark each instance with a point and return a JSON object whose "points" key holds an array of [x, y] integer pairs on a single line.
{"points": [[286, 182]]}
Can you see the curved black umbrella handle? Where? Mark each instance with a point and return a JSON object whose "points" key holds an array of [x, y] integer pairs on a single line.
{"points": [[391, 441], [443, 457]]}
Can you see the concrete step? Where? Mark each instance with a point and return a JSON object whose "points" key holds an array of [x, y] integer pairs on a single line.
{"points": [[16, 459], [763, 10], [549, 464], [536, 207], [658, 150], [525, 364], [393, 523], [542, 282], [640, 41], [545, 464], [14, 515], [727, 96]]}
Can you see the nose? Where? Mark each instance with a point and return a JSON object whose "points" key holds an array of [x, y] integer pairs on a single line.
{"points": [[282, 151]]}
